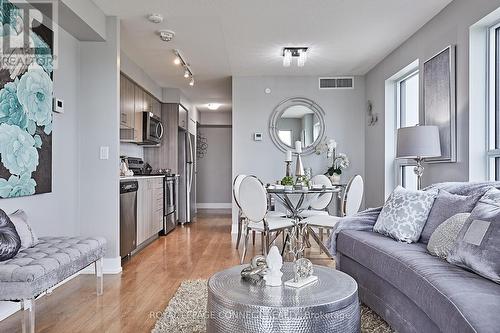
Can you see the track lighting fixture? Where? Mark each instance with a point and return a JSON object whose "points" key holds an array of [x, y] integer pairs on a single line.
{"points": [[179, 60]]}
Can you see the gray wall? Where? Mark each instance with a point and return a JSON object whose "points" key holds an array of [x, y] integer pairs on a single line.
{"points": [[213, 181], [99, 126], [252, 108], [56, 213], [450, 26]]}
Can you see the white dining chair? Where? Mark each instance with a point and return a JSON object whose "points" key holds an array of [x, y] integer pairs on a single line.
{"points": [[253, 203], [320, 202], [350, 204], [236, 196]]}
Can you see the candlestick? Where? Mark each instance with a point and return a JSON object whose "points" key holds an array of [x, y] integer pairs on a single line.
{"points": [[288, 156], [298, 147], [288, 172]]}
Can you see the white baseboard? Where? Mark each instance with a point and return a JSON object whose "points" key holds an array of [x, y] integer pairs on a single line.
{"points": [[110, 266], [216, 205]]}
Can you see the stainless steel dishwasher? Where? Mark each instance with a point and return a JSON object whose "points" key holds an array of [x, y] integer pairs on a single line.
{"points": [[128, 216]]}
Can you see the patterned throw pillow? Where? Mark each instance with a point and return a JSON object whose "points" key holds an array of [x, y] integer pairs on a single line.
{"points": [[9, 239], [443, 238], [478, 244], [404, 214]]}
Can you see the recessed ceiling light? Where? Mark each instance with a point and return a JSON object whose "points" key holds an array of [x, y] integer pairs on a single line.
{"points": [[191, 82], [177, 61], [213, 106], [186, 74], [155, 18]]}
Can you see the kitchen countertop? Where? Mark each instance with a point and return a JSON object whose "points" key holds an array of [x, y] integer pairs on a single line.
{"points": [[141, 177]]}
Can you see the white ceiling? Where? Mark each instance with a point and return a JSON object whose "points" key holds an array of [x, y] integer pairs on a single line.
{"points": [[224, 38]]}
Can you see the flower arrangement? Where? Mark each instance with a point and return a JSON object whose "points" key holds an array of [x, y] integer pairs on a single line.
{"points": [[340, 162]]}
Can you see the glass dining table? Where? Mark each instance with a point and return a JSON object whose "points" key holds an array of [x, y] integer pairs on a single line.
{"points": [[296, 200]]}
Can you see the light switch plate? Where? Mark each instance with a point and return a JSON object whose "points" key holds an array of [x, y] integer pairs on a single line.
{"points": [[58, 105], [104, 153], [257, 136]]}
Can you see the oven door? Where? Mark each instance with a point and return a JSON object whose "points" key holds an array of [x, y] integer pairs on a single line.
{"points": [[169, 204]]}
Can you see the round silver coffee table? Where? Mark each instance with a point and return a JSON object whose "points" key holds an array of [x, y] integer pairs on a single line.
{"points": [[329, 305]]}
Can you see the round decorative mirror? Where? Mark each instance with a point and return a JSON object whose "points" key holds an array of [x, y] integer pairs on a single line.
{"points": [[297, 119]]}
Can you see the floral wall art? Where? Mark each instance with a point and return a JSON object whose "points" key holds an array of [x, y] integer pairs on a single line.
{"points": [[25, 103]]}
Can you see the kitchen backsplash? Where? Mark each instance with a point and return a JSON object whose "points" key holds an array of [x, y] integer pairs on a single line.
{"points": [[131, 149]]}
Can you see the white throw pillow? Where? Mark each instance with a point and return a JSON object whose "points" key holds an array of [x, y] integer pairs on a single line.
{"points": [[443, 238], [405, 213], [24, 230]]}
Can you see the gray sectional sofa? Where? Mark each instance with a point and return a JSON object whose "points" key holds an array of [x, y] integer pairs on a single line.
{"points": [[415, 291]]}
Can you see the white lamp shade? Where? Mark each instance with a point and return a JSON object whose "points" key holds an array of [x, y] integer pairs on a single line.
{"points": [[418, 141]]}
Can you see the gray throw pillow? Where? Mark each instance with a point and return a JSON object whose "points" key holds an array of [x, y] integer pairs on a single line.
{"points": [[478, 245], [24, 230], [9, 239], [404, 214], [444, 237], [445, 206]]}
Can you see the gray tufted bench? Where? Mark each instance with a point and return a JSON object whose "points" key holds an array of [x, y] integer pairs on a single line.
{"points": [[38, 269]]}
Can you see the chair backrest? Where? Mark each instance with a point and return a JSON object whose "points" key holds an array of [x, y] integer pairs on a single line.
{"points": [[321, 201], [236, 188], [253, 199], [353, 196]]}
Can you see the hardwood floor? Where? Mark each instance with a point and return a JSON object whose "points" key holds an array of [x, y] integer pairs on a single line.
{"points": [[134, 298]]}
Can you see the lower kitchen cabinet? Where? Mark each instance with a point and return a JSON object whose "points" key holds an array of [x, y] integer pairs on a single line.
{"points": [[149, 208]]}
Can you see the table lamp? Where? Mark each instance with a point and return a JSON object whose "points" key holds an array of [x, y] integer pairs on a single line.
{"points": [[417, 143]]}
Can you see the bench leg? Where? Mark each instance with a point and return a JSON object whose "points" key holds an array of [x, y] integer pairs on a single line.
{"points": [[28, 306], [99, 277]]}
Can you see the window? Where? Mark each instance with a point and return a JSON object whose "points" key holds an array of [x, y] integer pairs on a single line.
{"points": [[407, 115], [493, 152], [285, 136]]}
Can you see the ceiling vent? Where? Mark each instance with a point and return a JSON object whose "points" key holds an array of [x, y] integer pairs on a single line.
{"points": [[344, 82]]}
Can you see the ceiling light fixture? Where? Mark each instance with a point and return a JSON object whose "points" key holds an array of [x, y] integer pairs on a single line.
{"points": [[287, 58], [213, 106], [188, 73], [294, 52], [155, 18], [166, 35]]}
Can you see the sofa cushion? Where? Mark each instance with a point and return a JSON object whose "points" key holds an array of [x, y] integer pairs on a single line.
{"points": [[404, 214], [444, 237], [478, 245], [455, 299], [445, 206], [38, 268]]}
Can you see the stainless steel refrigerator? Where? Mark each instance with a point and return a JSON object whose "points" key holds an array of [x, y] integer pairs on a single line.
{"points": [[187, 179]]}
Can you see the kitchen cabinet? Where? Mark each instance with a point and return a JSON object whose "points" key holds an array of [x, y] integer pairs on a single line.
{"points": [[127, 116], [156, 107], [183, 117], [149, 208], [134, 100]]}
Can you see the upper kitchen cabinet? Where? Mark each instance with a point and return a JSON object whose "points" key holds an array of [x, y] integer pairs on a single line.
{"points": [[134, 100], [127, 109], [156, 107], [183, 117]]}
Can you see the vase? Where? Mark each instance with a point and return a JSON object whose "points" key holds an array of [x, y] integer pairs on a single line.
{"points": [[335, 178]]}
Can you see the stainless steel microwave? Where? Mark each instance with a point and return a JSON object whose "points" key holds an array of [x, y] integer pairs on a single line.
{"points": [[152, 129]]}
